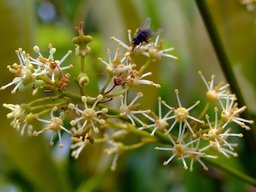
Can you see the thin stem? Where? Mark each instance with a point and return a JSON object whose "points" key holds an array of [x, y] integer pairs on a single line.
{"points": [[72, 96], [118, 93], [106, 84], [206, 107], [82, 70], [145, 66], [37, 101], [49, 109]]}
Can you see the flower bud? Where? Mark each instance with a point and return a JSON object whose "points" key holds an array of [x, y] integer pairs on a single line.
{"points": [[83, 79]]}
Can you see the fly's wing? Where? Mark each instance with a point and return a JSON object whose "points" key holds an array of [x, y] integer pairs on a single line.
{"points": [[146, 23], [158, 32]]}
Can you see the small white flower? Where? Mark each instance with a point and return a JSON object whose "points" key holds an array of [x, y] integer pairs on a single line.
{"points": [[78, 145], [131, 110], [230, 113], [179, 150], [183, 151], [24, 71], [181, 116], [199, 153], [49, 65], [156, 52], [88, 117], [118, 64], [55, 124], [158, 122], [20, 118], [215, 92], [115, 148], [137, 78]]}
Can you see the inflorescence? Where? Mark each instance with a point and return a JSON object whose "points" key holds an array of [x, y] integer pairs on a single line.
{"points": [[190, 135]]}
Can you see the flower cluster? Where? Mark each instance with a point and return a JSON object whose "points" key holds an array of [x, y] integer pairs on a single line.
{"points": [[216, 134], [33, 73], [115, 111]]}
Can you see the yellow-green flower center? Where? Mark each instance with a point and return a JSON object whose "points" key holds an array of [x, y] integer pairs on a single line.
{"points": [[181, 113], [89, 114], [55, 124], [179, 150]]}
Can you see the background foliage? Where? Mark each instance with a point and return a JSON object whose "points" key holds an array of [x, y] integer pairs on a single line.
{"points": [[29, 164]]}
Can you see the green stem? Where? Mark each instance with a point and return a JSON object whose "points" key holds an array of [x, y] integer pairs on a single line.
{"points": [[49, 109], [143, 67], [206, 107], [72, 96], [106, 85], [82, 68], [37, 101], [118, 93]]}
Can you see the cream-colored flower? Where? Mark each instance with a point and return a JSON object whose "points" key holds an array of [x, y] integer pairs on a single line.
{"points": [[78, 145], [20, 118], [155, 50], [137, 78], [119, 64], [215, 92], [24, 71], [48, 65], [159, 122], [230, 113], [88, 117], [55, 124], [131, 110], [183, 151], [181, 115]]}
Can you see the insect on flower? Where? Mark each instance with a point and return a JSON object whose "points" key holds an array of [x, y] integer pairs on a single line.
{"points": [[143, 34]]}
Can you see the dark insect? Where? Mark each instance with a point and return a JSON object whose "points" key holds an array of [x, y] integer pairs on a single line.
{"points": [[143, 34]]}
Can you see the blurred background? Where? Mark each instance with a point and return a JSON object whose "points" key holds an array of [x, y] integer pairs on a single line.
{"points": [[30, 164]]}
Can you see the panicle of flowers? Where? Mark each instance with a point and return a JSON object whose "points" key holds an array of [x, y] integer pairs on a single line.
{"points": [[215, 92], [21, 120], [131, 110], [89, 117], [55, 125], [24, 71], [218, 136], [181, 115], [92, 120], [230, 113], [48, 65]]}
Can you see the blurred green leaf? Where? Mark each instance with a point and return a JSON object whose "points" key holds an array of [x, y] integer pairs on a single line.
{"points": [[30, 155]]}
